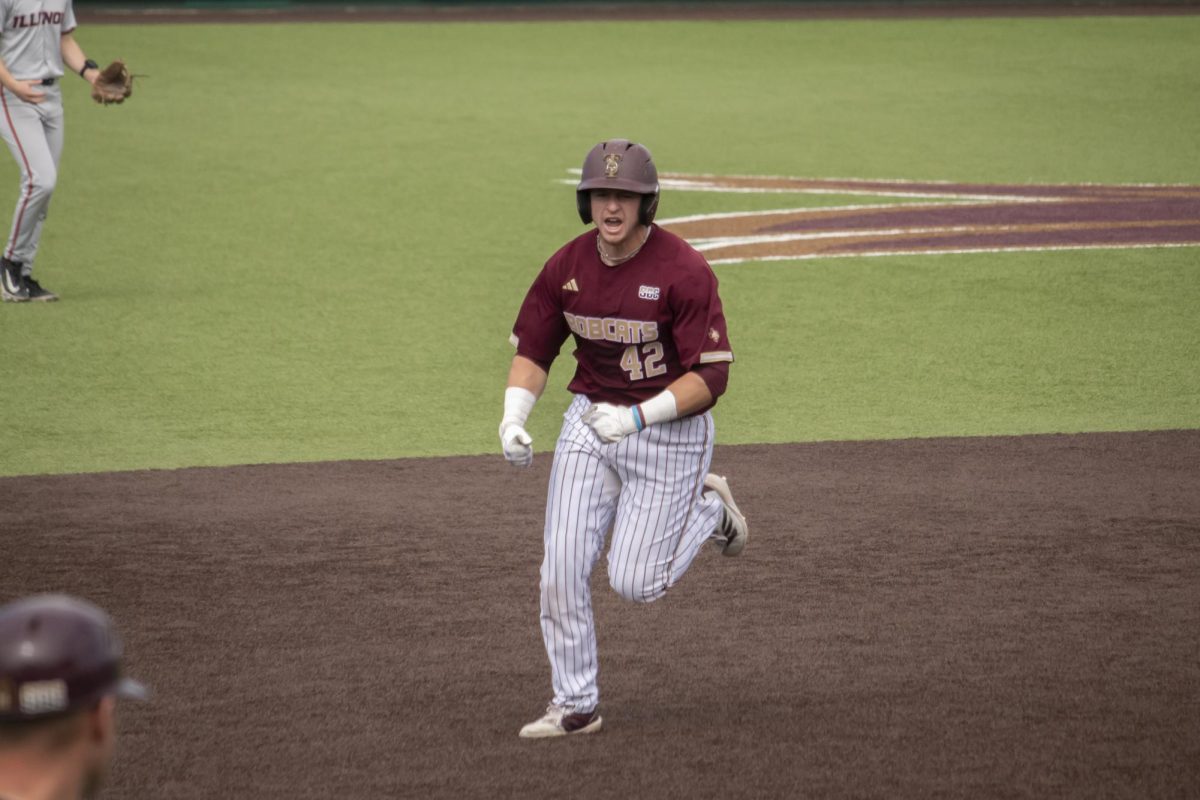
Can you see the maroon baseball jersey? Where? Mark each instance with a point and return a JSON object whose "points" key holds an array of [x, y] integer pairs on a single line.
{"points": [[637, 326]]}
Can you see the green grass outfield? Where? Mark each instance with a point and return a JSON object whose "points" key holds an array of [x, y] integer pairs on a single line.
{"points": [[308, 242]]}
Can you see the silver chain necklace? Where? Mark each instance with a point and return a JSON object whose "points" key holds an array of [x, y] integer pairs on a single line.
{"points": [[615, 262]]}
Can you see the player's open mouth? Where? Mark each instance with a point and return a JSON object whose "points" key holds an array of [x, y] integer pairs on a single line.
{"points": [[613, 223]]}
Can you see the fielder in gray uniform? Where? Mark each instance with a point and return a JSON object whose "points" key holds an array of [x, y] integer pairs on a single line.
{"points": [[36, 40]]}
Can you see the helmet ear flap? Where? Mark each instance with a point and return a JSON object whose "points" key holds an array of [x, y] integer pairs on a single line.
{"points": [[583, 202], [647, 208]]}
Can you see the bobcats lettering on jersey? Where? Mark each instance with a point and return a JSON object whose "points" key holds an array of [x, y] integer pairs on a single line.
{"points": [[609, 329], [662, 337]]}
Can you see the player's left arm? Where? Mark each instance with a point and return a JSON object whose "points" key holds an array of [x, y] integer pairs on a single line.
{"points": [[538, 334], [703, 347], [685, 395], [690, 393], [75, 60]]}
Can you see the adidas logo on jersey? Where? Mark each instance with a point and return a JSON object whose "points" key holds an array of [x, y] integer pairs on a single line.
{"points": [[648, 292], [571, 286]]}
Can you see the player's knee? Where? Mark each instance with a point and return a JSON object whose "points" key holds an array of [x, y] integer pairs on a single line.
{"points": [[636, 589], [42, 184], [559, 596]]}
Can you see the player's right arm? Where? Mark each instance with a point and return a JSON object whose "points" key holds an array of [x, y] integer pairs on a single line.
{"points": [[538, 334], [26, 90], [526, 382], [528, 375]]}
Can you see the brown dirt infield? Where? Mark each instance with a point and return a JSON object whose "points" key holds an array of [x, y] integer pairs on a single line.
{"points": [[994, 617]]}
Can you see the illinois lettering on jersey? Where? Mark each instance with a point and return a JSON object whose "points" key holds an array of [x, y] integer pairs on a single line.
{"points": [[35, 19], [31, 36], [638, 326]]}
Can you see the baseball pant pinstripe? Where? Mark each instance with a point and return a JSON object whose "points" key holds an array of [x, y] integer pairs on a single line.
{"points": [[647, 489]]}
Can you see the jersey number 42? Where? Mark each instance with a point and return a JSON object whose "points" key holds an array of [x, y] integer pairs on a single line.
{"points": [[643, 361]]}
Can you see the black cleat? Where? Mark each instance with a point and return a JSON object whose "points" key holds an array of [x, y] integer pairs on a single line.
{"points": [[37, 293], [12, 284]]}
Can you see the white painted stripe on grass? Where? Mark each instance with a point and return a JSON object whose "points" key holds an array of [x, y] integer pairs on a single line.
{"points": [[935, 182], [737, 241], [876, 254], [911, 181], [704, 186], [716, 242], [681, 186], [718, 189], [811, 210]]}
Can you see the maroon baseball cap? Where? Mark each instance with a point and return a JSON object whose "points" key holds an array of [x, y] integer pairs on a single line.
{"points": [[58, 654]]}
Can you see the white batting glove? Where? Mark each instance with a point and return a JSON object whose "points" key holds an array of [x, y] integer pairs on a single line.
{"points": [[517, 444], [613, 423]]}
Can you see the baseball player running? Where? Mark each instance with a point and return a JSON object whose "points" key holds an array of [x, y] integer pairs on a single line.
{"points": [[636, 442], [36, 39]]}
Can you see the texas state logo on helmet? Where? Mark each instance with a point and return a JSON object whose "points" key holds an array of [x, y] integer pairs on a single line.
{"points": [[622, 165]]}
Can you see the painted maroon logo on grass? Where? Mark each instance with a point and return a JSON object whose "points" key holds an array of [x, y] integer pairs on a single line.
{"points": [[957, 218]]}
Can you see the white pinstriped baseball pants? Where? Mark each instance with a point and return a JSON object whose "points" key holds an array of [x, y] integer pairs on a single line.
{"points": [[647, 489]]}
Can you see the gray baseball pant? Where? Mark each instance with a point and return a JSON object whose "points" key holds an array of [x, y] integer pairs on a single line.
{"points": [[34, 134]]}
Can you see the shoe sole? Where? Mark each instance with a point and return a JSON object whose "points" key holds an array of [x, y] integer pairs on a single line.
{"points": [[51, 299], [721, 486], [554, 733]]}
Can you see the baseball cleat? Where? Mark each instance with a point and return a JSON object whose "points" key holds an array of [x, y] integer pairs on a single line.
{"points": [[561, 722], [733, 527], [37, 293], [12, 285]]}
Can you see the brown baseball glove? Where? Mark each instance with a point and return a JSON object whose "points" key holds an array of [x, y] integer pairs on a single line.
{"points": [[114, 84]]}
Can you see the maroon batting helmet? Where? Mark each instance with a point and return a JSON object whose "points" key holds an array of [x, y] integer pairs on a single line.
{"points": [[619, 164], [58, 654]]}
